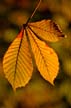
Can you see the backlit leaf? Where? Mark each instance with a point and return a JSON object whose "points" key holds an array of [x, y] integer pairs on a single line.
{"points": [[17, 62], [47, 30], [45, 57]]}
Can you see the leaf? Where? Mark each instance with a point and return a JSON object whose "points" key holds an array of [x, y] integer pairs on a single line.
{"points": [[17, 62], [45, 57], [46, 30]]}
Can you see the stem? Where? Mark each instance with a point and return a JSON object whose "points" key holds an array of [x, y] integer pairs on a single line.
{"points": [[33, 12]]}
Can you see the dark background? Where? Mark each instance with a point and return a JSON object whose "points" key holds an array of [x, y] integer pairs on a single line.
{"points": [[38, 93]]}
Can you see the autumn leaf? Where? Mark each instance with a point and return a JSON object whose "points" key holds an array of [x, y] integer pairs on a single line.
{"points": [[47, 30], [31, 41], [17, 62], [45, 57]]}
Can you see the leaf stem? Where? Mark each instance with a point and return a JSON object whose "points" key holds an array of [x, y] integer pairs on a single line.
{"points": [[33, 12]]}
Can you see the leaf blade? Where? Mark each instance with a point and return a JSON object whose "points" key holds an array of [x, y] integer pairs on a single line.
{"points": [[45, 57], [47, 30], [17, 67]]}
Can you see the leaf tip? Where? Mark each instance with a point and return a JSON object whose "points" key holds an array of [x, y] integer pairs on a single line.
{"points": [[52, 83]]}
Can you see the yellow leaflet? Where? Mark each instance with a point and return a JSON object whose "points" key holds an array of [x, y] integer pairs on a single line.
{"points": [[17, 62], [45, 57], [47, 30]]}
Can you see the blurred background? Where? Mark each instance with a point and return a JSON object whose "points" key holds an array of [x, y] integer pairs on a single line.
{"points": [[38, 93]]}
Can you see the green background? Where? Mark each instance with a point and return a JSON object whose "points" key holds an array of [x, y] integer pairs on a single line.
{"points": [[38, 93]]}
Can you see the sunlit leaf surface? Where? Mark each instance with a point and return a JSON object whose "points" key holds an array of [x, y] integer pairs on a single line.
{"points": [[47, 30], [17, 62], [45, 57]]}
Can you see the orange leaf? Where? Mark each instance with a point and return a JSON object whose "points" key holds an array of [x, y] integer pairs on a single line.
{"points": [[17, 62], [46, 30], [45, 57]]}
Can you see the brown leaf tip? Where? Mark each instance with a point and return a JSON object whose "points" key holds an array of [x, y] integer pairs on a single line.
{"points": [[57, 28]]}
